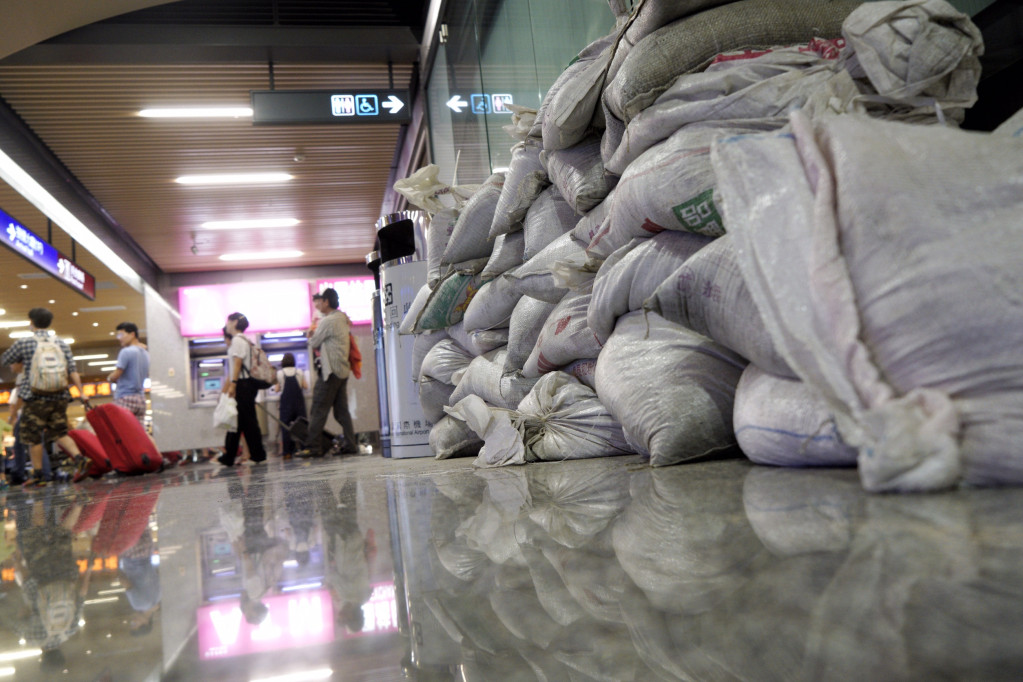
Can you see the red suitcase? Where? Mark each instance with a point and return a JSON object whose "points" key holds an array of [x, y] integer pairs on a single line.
{"points": [[90, 446], [125, 441]]}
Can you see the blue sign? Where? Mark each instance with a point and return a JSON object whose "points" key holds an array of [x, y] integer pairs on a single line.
{"points": [[28, 244], [284, 107], [366, 105], [479, 103]]}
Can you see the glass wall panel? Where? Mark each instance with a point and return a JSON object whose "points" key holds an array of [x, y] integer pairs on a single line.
{"points": [[500, 51]]}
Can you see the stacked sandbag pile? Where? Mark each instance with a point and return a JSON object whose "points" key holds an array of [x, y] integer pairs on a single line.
{"points": [[595, 282]]}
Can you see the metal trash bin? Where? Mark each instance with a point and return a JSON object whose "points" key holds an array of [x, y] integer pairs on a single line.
{"points": [[403, 269]]}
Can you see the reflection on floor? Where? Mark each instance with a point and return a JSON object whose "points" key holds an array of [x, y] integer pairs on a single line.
{"points": [[370, 569]]}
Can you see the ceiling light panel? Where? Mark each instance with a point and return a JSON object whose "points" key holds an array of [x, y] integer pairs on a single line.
{"points": [[257, 223], [234, 179]]}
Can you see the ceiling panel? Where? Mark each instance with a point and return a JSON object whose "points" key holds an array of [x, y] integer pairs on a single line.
{"points": [[82, 104], [87, 115]]}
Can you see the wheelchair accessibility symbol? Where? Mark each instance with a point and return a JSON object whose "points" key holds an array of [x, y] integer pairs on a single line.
{"points": [[367, 105]]}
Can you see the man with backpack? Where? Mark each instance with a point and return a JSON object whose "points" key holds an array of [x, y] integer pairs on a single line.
{"points": [[49, 368]]}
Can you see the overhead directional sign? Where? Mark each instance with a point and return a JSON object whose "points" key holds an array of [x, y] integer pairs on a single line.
{"points": [[345, 107], [29, 245], [481, 103]]}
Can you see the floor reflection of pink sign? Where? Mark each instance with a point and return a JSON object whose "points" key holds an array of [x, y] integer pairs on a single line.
{"points": [[380, 612], [295, 620]]}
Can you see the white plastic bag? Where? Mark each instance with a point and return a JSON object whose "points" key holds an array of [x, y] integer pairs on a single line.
{"points": [[225, 414]]}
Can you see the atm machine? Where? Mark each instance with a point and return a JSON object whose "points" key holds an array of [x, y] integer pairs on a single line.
{"points": [[207, 361]]}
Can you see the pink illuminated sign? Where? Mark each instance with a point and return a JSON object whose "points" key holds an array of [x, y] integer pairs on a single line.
{"points": [[297, 619], [355, 295], [270, 306]]}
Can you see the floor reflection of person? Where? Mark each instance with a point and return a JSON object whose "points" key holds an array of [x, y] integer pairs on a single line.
{"points": [[141, 580], [45, 568], [261, 556], [349, 554]]}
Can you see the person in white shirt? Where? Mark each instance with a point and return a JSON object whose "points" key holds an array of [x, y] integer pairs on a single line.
{"points": [[244, 390]]}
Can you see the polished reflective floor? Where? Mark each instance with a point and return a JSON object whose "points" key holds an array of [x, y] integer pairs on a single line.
{"points": [[371, 569]]}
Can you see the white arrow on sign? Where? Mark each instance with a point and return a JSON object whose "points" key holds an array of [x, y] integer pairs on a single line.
{"points": [[393, 104], [456, 104]]}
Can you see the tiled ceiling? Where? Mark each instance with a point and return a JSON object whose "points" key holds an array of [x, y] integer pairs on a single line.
{"points": [[79, 94]]}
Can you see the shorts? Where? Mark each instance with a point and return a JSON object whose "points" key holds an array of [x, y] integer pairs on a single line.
{"points": [[40, 417], [134, 403]]}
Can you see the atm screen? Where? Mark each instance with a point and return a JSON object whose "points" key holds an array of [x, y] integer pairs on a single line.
{"points": [[211, 384]]}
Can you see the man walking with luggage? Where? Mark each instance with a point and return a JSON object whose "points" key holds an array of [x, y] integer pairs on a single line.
{"points": [[131, 372], [48, 364], [331, 389]]}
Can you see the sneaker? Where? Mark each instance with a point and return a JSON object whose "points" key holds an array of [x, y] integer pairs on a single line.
{"points": [[35, 482]]}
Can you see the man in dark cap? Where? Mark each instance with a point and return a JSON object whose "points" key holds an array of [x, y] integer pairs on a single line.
{"points": [[331, 339]]}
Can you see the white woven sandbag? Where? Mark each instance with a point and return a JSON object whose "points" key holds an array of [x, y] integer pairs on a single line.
{"points": [[470, 238], [892, 289], [522, 121], [917, 49], [653, 14], [438, 234], [779, 421], [709, 295], [534, 277], [525, 179], [671, 388], [423, 344], [633, 273], [565, 336], [747, 95], [408, 322], [563, 419], [578, 173], [650, 66], [584, 370], [559, 419], [527, 320], [451, 437], [568, 114], [509, 252], [486, 340], [492, 306], [486, 378], [478, 341], [548, 218], [433, 397], [445, 362], [614, 132], [594, 220], [669, 187], [448, 301]]}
